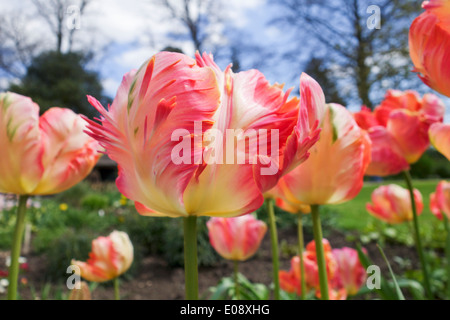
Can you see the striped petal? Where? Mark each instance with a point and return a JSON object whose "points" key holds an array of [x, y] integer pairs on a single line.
{"points": [[21, 166], [387, 157], [156, 108], [440, 138], [69, 153], [335, 169]]}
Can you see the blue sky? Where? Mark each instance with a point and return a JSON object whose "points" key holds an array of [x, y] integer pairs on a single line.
{"points": [[126, 34]]}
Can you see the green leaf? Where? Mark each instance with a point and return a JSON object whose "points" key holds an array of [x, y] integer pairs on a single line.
{"points": [[397, 288]]}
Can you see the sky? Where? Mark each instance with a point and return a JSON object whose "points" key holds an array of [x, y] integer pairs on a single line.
{"points": [[126, 34]]}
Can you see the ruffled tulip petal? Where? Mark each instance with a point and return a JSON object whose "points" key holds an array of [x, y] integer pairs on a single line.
{"points": [[350, 274], [387, 157], [69, 153], [429, 40], [110, 257], [21, 166], [410, 133], [440, 138], [365, 118], [166, 97], [335, 169]]}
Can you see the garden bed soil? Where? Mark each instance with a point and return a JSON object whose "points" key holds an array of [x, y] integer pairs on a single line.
{"points": [[157, 281]]}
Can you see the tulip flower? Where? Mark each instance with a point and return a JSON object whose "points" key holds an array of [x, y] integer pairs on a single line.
{"points": [[392, 204], [290, 281], [429, 45], [192, 140], [440, 200], [399, 139], [440, 138], [398, 129], [45, 155], [173, 98], [350, 274], [237, 238], [440, 207], [110, 257], [320, 181], [40, 156]]}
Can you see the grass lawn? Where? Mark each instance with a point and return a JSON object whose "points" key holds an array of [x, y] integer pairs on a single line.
{"points": [[353, 216]]}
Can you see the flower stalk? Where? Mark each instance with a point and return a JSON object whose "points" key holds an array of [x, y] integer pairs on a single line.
{"points": [[190, 258], [321, 263], [419, 246], [16, 247], [301, 245], [274, 243]]}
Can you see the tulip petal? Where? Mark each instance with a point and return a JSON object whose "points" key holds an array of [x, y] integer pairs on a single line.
{"points": [[387, 157], [429, 40], [69, 153], [335, 169], [169, 94], [21, 167], [410, 133], [249, 104], [440, 138]]}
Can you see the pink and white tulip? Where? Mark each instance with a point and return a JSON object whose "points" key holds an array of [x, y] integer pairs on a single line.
{"points": [[110, 257], [172, 93], [350, 274], [398, 129], [335, 169], [440, 200], [429, 45], [45, 155], [236, 238], [392, 204], [440, 138]]}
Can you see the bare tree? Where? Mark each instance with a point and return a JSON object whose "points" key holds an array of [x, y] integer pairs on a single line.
{"points": [[55, 14], [17, 47], [366, 53], [196, 16]]}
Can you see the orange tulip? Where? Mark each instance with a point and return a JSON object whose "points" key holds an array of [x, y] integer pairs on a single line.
{"points": [[429, 45], [440, 138], [392, 204], [350, 274], [110, 257], [236, 238], [290, 280], [168, 127], [398, 129], [42, 156], [440, 200], [334, 172], [294, 208]]}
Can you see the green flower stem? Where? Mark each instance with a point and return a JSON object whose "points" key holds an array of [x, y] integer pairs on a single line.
{"points": [[190, 258], [116, 289], [420, 251], [301, 245], [321, 263], [16, 246], [447, 253], [275, 255], [236, 280]]}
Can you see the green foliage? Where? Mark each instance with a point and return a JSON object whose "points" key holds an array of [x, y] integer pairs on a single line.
{"points": [[60, 79], [226, 290], [94, 202]]}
